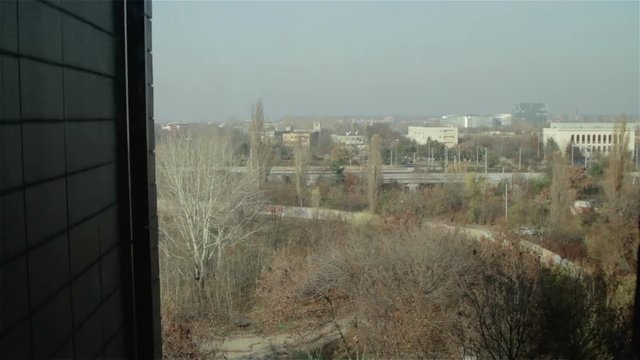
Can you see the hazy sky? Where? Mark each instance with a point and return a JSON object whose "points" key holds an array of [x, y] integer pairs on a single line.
{"points": [[213, 59]]}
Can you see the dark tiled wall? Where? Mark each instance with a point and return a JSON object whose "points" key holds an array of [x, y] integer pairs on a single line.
{"points": [[62, 253]]}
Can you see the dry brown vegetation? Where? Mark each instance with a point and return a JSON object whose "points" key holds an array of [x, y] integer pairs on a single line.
{"points": [[398, 288], [428, 293], [410, 289]]}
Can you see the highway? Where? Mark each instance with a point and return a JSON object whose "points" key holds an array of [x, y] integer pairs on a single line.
{"points": [[407, 176], [410, 176]]}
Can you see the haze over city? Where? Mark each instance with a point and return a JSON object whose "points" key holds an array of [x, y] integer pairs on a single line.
{"points": [[213, 59]]}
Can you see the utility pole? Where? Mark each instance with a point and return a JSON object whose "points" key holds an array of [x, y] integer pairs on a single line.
{"points": [[506, 202], [637, 146], [520, 159], [446, 158], [485, 160], [477, 154], [538, 147]]}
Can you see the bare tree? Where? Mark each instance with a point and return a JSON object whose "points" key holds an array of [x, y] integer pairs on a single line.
{"points": [[612, 240], [260, 156], [559, 210], [204, 205], [618, 161], [504, 313], [375, 172], [301, 160]]}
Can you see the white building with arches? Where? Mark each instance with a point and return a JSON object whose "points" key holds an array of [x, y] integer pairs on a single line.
{"points": [[590, 138]]}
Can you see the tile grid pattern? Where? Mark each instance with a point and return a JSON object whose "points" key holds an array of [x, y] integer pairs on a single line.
{"points": [[61, 290]]}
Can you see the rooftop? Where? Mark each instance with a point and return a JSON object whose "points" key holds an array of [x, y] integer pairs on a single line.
{"points": [[608, 126]]}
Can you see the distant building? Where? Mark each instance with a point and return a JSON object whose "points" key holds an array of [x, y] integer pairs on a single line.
{"points": [[372, 121], [503, 119], [476, 121], [350, 139], [590, 138], [276, 134], [357, 145], [534, 113], [306, 139], [290, 137], [445, 135], [171, 127]]}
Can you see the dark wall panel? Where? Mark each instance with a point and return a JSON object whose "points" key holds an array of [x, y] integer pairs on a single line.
{"points": [[48, 270], [100, 14], [65, 200], [40, 90], [45, 211], [9, 25], [15, 294], [9, 86], [10, 155], [12, 226], [88, 96], [52, 325], [87, 47], [39, 29], [43, 151]]}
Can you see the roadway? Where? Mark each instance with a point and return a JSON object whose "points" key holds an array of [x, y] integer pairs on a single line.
{"points": [[408, 176]]}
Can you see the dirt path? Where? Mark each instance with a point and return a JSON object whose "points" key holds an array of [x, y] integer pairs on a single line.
{"points": [[253, 346]]}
